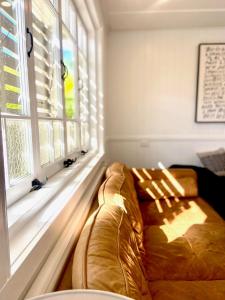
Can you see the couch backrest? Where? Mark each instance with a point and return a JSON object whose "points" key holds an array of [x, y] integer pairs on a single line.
{"points": [[158, 174], [115, 190], [118, 189], [107, 255]]}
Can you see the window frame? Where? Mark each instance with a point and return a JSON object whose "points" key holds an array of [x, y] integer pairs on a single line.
{"points": [[4, 240], [48, 170], [14, 192], [52, 168]]}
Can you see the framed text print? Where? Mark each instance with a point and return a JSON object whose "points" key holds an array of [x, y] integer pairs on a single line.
{"points": [[210, 102]]}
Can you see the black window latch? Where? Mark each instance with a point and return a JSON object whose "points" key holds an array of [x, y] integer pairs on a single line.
{"points": [[37, 184], [83, 152], [69, 162]]}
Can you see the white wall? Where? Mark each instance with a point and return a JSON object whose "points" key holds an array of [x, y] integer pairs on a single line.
{"points": [[151, 94]]}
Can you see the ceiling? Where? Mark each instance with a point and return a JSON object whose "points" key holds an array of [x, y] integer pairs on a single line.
{"points": [[157, 14]]}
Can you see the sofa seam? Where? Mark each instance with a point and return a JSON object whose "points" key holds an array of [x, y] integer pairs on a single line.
{"points": [[118, 256], [85, 276], [104, 184]]}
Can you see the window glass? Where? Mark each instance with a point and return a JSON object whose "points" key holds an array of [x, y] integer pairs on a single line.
{"points": [[65, 12], [46, 151], [58, 139], [69, 16], [51, 141], [14, 96], [82, 38], [72, 14], [72, 137], [85, 136], [18, 150], [54, 3], [83, 88], [69, 56]]}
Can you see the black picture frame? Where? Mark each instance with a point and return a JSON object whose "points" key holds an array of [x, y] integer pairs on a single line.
{"points": [[210, 91]]}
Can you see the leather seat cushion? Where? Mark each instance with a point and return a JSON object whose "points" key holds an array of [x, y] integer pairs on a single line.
{"points": [[183, 210], [188, 290], [181, 251]]}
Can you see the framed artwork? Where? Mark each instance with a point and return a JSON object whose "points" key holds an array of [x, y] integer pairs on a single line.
{"points": [[210, 100]]}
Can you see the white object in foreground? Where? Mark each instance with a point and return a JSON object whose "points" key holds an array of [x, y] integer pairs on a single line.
{"points": [[81, 295]]}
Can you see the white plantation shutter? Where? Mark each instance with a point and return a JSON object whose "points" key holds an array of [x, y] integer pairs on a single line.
{"points": [[83, 86], [48, 81]]}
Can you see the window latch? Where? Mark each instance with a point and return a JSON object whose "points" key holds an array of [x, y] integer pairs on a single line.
{"points": [[37, 184], [69, 162], [31, 42], [65, 71], [83, 152]]}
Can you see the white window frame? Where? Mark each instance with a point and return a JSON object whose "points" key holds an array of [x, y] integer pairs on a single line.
{"points": [[46, 171], [14, 192], [4, 240]]}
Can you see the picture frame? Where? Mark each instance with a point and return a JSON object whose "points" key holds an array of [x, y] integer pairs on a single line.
{"points": [[210, 94]]}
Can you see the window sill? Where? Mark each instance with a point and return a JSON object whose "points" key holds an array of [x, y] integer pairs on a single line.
{"points": [[42, 237], [29, 218]]}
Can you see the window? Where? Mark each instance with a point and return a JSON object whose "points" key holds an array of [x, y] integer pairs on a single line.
{"points": [[48, 99], [47, 91], [47, 118], [15, 102], [71, 101]]}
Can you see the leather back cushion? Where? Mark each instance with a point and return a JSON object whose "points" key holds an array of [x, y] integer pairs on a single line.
{"points": [[107, 256], [115, 168], [161, 189], [121, 169], [118, 190], [158, 174]]}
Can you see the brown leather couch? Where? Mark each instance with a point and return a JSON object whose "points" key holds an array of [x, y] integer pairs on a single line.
{"points": [[152, 237]]}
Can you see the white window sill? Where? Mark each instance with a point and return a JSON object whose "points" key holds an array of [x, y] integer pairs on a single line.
{"points": [[29, 218]]}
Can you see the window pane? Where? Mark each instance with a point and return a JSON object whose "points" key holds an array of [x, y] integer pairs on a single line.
{"points": [[18, 146], [45, 142], [46, 54], [65, 12], [85, 136], [54, 3], [58, 139], [72, 136], [12, 55], [83, 73], [83, 88], [72, 20], [69, 16], [69, 82], [82, 38]]}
